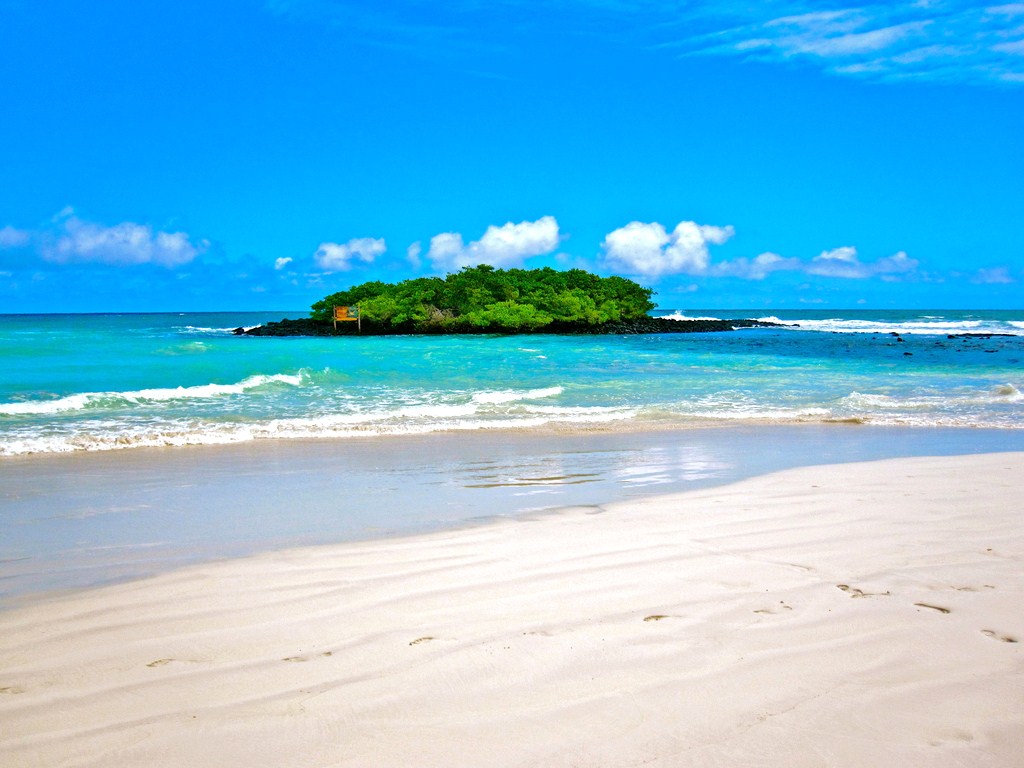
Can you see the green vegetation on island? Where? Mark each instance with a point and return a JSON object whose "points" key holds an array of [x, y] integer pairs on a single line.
{"points": [[490, 300], [485, 299]]}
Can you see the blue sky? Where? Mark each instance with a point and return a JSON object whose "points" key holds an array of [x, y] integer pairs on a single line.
{"points": [[258, 155]]}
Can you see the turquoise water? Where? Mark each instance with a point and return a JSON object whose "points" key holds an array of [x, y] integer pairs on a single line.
{"points": [[100, 382], [461, 428]]}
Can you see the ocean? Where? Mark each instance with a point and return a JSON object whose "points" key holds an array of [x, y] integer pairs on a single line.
{"points": [[119, 381], [138, 443]]}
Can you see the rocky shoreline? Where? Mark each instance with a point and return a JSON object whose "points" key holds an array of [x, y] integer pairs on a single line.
{"points": [[311, 327]]}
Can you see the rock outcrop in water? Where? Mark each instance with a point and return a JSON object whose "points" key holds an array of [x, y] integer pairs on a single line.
{"points": [[313, 327]]}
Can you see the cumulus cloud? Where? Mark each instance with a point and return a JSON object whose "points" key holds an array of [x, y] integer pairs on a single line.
{"points": [[13, 238], [282, 262], [844, 262], [338, 257], [504, 246], [125, 244], [649, 250]]}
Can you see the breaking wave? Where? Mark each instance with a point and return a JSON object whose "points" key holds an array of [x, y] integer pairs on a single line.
{"points": [[141, 396], [930, 325]]}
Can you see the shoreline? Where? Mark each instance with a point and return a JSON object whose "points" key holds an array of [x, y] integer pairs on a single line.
{"points": [[134, 514], [853, 614]]}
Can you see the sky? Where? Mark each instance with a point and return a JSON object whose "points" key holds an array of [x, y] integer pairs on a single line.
{"points": [[260, 154]]}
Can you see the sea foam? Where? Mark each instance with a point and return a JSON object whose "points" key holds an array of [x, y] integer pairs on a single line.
{"points": [[140, 396]]}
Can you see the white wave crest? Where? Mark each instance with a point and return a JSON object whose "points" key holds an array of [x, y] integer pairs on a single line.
{"points": [[510, 395], [141, 396], [677, 315], [967, 401]]}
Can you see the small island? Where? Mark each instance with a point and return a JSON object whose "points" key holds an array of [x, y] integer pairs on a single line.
{"points": [[485, 299]]}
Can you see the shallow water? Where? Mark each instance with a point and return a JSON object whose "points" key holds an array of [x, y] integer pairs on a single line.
{"points": [[101, 382], [80, 520]]}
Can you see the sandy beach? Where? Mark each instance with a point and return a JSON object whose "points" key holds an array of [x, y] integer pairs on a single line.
{"points": [[847, 615]]}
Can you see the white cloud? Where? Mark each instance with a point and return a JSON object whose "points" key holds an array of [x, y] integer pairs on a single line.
{"points": [[504, 246], [648, 250], [13, 238], [828, 34], [993, 276], [839, 262], [124, 244], [757, 268], [843, 262], [953, 40], [338, 257], [282, 262]]}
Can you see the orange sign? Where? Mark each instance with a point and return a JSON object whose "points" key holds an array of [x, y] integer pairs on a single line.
{"points": [[346, 313]]}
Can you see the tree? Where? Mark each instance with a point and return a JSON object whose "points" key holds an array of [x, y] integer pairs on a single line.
{"points": [[484, 298]]}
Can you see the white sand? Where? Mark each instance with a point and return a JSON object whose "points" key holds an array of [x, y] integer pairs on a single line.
{"points": [[851, 615]]}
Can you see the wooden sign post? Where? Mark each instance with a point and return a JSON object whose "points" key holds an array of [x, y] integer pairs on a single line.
{"points": [[345, 314]]}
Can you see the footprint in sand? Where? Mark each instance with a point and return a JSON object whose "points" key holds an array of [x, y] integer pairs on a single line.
{"points": [[419, 640], [996, 636], [782, 606], [655, 617], [973, 589], [306, 658], [12, 689], [931, 607], [159, 662], [855, 592]]}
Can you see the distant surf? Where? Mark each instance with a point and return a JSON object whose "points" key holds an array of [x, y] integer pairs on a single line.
{"points": [[933, 325]]}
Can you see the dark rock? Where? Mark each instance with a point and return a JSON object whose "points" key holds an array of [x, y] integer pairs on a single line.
{"points": [[642, 325]]}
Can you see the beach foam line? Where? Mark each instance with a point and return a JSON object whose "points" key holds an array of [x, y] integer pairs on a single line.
{"points": [[404, 421], [852, 615], [869, 409]]}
